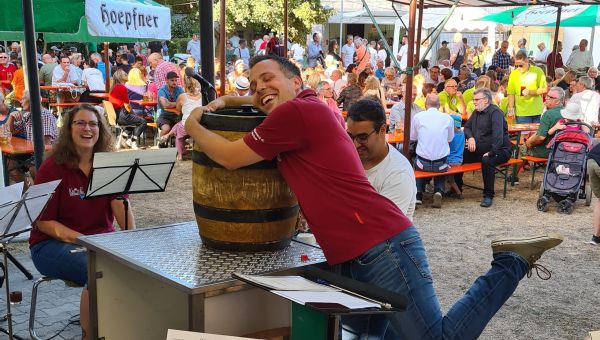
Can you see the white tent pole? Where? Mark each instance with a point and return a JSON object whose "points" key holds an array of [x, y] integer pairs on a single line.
{"points": [[592, 39], [342, 40]]}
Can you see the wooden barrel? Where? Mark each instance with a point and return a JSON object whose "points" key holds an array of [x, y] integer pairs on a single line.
{"points": [[248, 209]]}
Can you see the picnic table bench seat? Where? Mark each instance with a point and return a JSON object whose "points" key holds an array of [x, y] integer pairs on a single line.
{"points": [[468, 167], [538, 162]]}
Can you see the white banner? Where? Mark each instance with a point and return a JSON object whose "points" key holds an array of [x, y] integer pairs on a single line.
{"points": [[544, 15], [113, 18]]}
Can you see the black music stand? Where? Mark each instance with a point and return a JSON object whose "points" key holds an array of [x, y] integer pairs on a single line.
{"points": [[17, 213], [121, 173]]}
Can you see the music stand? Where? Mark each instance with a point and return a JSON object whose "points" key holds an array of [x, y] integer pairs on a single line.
{"points": [[17, 213], [121, 173]]}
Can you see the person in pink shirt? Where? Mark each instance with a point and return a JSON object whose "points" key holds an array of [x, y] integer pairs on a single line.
{"points": [[325, 93]]}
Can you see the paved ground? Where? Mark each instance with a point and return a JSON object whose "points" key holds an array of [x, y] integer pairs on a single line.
{"points": [[56, 304]]}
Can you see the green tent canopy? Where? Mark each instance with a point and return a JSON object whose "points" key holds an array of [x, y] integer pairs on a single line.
{"points": [[571, 16], [64, 20]]}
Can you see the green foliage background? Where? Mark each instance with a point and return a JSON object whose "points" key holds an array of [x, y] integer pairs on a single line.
{"points": [[252, 16]]}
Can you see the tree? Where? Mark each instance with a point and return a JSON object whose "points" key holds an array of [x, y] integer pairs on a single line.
{"points": [[267, 15]]}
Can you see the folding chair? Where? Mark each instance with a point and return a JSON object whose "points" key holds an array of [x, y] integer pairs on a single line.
{"points": [[111, 117]]}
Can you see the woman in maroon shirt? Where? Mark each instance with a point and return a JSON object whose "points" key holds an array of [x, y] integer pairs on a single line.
{"points": [[119, 97], [68, 215]]}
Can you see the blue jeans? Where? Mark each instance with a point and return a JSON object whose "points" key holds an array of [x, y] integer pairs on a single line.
{"points": [[528, 119], [400, 265], [54, 258], [431, 166]]}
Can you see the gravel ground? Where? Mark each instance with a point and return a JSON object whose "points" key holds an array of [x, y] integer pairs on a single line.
{"points": [[457, 238]]}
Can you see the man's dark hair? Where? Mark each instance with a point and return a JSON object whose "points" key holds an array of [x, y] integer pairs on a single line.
{"points": [[521, 55], [436, 67], [287, 67], [464, 40], [368, 110]]}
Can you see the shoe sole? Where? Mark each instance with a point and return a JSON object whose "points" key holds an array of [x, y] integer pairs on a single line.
{"points": [[437, 201], [548, 241]]}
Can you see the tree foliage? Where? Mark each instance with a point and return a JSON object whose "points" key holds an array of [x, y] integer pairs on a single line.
{"points": [[267, 15]]}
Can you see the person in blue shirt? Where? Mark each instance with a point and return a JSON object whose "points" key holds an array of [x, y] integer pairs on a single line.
{"points": [[455, 158], [167, 99]]}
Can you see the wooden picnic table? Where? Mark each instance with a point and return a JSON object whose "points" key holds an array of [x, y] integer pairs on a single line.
{"points": [[62, 88], [69, 104], [101, 95], [16, 147], [518, 128], [142, 102]]}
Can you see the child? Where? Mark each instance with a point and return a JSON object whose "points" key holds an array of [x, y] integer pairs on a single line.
{"points": [[571, 113], [455, 158]]}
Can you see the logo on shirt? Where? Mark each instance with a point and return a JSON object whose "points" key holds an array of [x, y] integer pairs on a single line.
{"points": [[256, 136], [80, 192]]}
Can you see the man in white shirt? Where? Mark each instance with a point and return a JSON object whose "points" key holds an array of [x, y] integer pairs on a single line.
{"points": [[433, 131], [433, 77], [193, 48], [402, 54], [580, 58], [298, 53], [338, 84], [587, 98], [373, 54], [257, 42], [348, 51], [243, 52], [541, 56], [388, 171], [65, 73]]}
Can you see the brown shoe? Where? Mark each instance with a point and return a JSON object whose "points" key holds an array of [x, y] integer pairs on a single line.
{"points": [[529, 248]]}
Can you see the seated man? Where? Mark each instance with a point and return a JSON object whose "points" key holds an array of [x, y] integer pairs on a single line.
{"points": [[167, 99], [20, 164], [432, 130], [388, 171], [451, 100], [65, 73], [536, 145], [486, 132], [587, 98]]}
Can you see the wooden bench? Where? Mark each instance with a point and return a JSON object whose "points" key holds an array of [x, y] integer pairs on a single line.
{"points": [[538, 162], [502, 169]]}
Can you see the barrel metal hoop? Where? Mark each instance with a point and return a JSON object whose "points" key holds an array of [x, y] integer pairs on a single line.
{"points": [[247, 247], [245, 216], [239, 123], [202, 158]]}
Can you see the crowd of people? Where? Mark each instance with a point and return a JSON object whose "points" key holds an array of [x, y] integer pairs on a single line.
{"points": [[327, 125]]}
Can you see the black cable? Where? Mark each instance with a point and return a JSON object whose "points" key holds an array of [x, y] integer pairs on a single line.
{"points": [[74, 320]]}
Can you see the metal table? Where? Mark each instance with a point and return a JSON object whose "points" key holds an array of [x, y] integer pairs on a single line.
{"points": [[144, 281]]}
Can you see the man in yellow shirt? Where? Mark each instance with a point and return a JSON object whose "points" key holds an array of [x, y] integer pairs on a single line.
{"points": [[526, 85], [451, 100]]}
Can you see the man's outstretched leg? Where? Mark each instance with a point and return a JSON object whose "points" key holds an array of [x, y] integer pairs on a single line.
{"points": [[513, 258]]}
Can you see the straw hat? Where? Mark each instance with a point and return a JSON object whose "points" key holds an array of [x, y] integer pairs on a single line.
{"points": [[242, 83], [572, 112]]}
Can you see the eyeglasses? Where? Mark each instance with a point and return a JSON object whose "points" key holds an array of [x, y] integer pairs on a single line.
{"points": [[82, 124], [451, 86], [361, 137], [478, 99], [3, 57], [550, 97]]}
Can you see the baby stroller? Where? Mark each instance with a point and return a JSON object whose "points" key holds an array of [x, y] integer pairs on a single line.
{"points": [[565, 178]]}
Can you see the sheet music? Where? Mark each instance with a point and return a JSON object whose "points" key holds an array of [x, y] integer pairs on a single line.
{"points": [[35, 201], [11, 193], [173, 334], [303, 297], [288, 283], [111, 171]]}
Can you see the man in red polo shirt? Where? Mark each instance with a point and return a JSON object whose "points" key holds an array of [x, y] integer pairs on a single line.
{"points": [[7, 70], [360, 231]]}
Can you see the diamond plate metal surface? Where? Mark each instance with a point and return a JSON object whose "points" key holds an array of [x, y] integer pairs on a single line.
{"points": [[177, 253]]}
